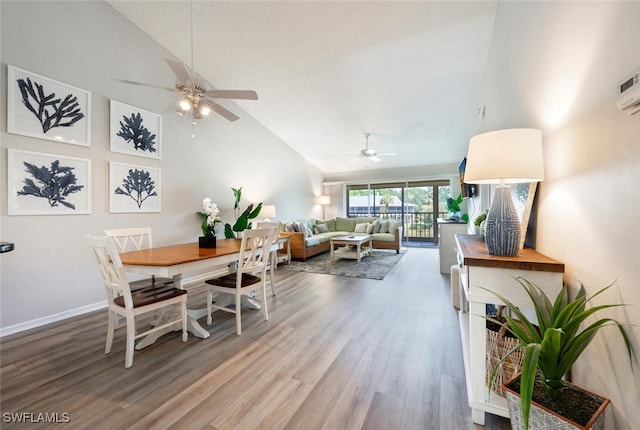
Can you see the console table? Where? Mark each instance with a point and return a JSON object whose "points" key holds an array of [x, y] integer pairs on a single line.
{"points": [[497, 273]]}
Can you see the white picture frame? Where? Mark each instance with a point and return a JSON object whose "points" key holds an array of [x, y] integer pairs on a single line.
{"points": [[44, 108], [125, 198], [29, 175], [134, 131]]}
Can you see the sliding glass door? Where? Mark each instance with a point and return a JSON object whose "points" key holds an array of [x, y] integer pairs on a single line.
{"points": [[416, 205]]}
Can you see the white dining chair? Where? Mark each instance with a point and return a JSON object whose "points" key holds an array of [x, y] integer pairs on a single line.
{"points": [[124, 302], [135, 239], [255, 251], [273, 259]]}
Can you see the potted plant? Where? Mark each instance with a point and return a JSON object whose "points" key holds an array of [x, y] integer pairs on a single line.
{"points": [[550, 349], [477, 223], [210, 219], [242, 219], [453, 206]]}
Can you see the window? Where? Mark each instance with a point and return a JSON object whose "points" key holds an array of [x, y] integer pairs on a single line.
{"points": [[410, 203]]}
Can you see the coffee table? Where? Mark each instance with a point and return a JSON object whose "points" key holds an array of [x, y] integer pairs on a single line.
{"points": [[354, 246]]}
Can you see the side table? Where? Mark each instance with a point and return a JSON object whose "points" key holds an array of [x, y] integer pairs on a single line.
{"points": [[481, 270]]}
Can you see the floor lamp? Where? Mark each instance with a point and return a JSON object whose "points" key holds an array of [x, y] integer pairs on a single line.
{"points": [[504, 157], [324, 201]]}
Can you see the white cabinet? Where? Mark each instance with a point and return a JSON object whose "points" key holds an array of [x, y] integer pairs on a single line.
{"points": [[447, 231], [480, 269]]}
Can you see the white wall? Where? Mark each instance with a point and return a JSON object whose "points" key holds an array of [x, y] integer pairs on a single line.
{"points": [[89, 45], [555, 66]]}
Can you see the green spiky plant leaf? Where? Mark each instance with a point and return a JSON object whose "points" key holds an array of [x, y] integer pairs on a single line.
{"points": [[554, 345]]}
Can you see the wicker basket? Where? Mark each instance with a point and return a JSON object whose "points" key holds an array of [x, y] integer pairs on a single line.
{"points": [[499, 342]]}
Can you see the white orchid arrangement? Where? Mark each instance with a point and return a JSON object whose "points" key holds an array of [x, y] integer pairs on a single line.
{"points": [[210, 217]]}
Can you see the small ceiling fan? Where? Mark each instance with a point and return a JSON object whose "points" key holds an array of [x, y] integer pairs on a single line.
{"points": [[370, 153], [195, 93]]}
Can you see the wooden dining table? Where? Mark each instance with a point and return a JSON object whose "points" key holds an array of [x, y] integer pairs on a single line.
{"points": [[178, 262]]}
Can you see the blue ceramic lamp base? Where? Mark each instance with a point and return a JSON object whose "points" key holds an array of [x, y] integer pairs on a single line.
{"points": [[502, 226]]}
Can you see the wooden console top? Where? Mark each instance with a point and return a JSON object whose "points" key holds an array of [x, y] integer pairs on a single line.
{"points": [[474, 253]]}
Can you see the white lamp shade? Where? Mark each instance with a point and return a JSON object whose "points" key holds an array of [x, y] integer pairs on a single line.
{"points": [[512, 155], [324, 200], [268, 211]]}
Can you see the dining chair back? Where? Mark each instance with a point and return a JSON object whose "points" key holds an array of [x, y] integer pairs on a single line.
{"points": [[135, 239], [124, 302], [273, 259], [255, 251]]}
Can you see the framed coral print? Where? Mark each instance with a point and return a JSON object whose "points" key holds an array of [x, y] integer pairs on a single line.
{"points": [[41, 107], [523, 195], [47, 184], [134, 131], [133, 189]]}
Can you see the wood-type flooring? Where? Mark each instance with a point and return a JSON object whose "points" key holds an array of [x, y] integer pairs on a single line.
{"points": [[337, 353]]}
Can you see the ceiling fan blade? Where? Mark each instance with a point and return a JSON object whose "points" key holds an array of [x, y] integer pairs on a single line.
{"points": [[374, 158], [386, 154], [222, 111], [181, 70], [143, 84], [233, 94]]}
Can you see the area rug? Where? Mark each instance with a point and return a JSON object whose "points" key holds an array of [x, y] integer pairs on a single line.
{"points": [[375, 266]]}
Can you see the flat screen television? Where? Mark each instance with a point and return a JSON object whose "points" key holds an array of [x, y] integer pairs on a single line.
{"points": [[467, 190]]}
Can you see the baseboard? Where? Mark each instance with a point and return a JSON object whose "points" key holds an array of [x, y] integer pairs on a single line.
{"points": [[28, 325]]}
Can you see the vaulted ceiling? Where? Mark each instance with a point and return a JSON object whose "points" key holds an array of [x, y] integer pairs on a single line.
{"points": [[409, 73]]}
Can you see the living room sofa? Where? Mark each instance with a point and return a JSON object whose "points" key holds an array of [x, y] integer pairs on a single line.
{"points": [[311, 237]]}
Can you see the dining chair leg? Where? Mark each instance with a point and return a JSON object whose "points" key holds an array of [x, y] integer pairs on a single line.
{"points": [[110, 330], [183, 314], [209, 307], [131, 335], [238, 316], [265, 311], [272, 269]]}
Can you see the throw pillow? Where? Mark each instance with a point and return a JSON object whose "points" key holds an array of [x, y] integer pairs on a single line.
{"points": [[361, 227], [384, 226], [369, 228], [291, 228], [376, 226], [307, 232], [393, 226], [321, 228], [302, 227]]}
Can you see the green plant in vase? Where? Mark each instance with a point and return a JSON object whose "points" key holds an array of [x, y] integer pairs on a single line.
{"points": [[553, 345], [243, 220], [478, 221], [453, 206]]}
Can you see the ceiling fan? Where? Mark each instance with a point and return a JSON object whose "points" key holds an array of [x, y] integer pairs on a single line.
{"points": [[370, 153], [195, 93]]}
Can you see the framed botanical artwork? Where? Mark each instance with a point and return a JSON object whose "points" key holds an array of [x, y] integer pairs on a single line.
{"points": [[41, 107], [134, 131], [133, 189], [47, 184], [523, 195]]}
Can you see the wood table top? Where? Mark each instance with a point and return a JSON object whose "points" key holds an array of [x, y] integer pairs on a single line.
{"points": [[179, 254], [474, 253]]}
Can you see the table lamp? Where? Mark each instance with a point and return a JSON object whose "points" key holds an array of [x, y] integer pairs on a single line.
{"points": [[267, 212], [504, 157]]}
